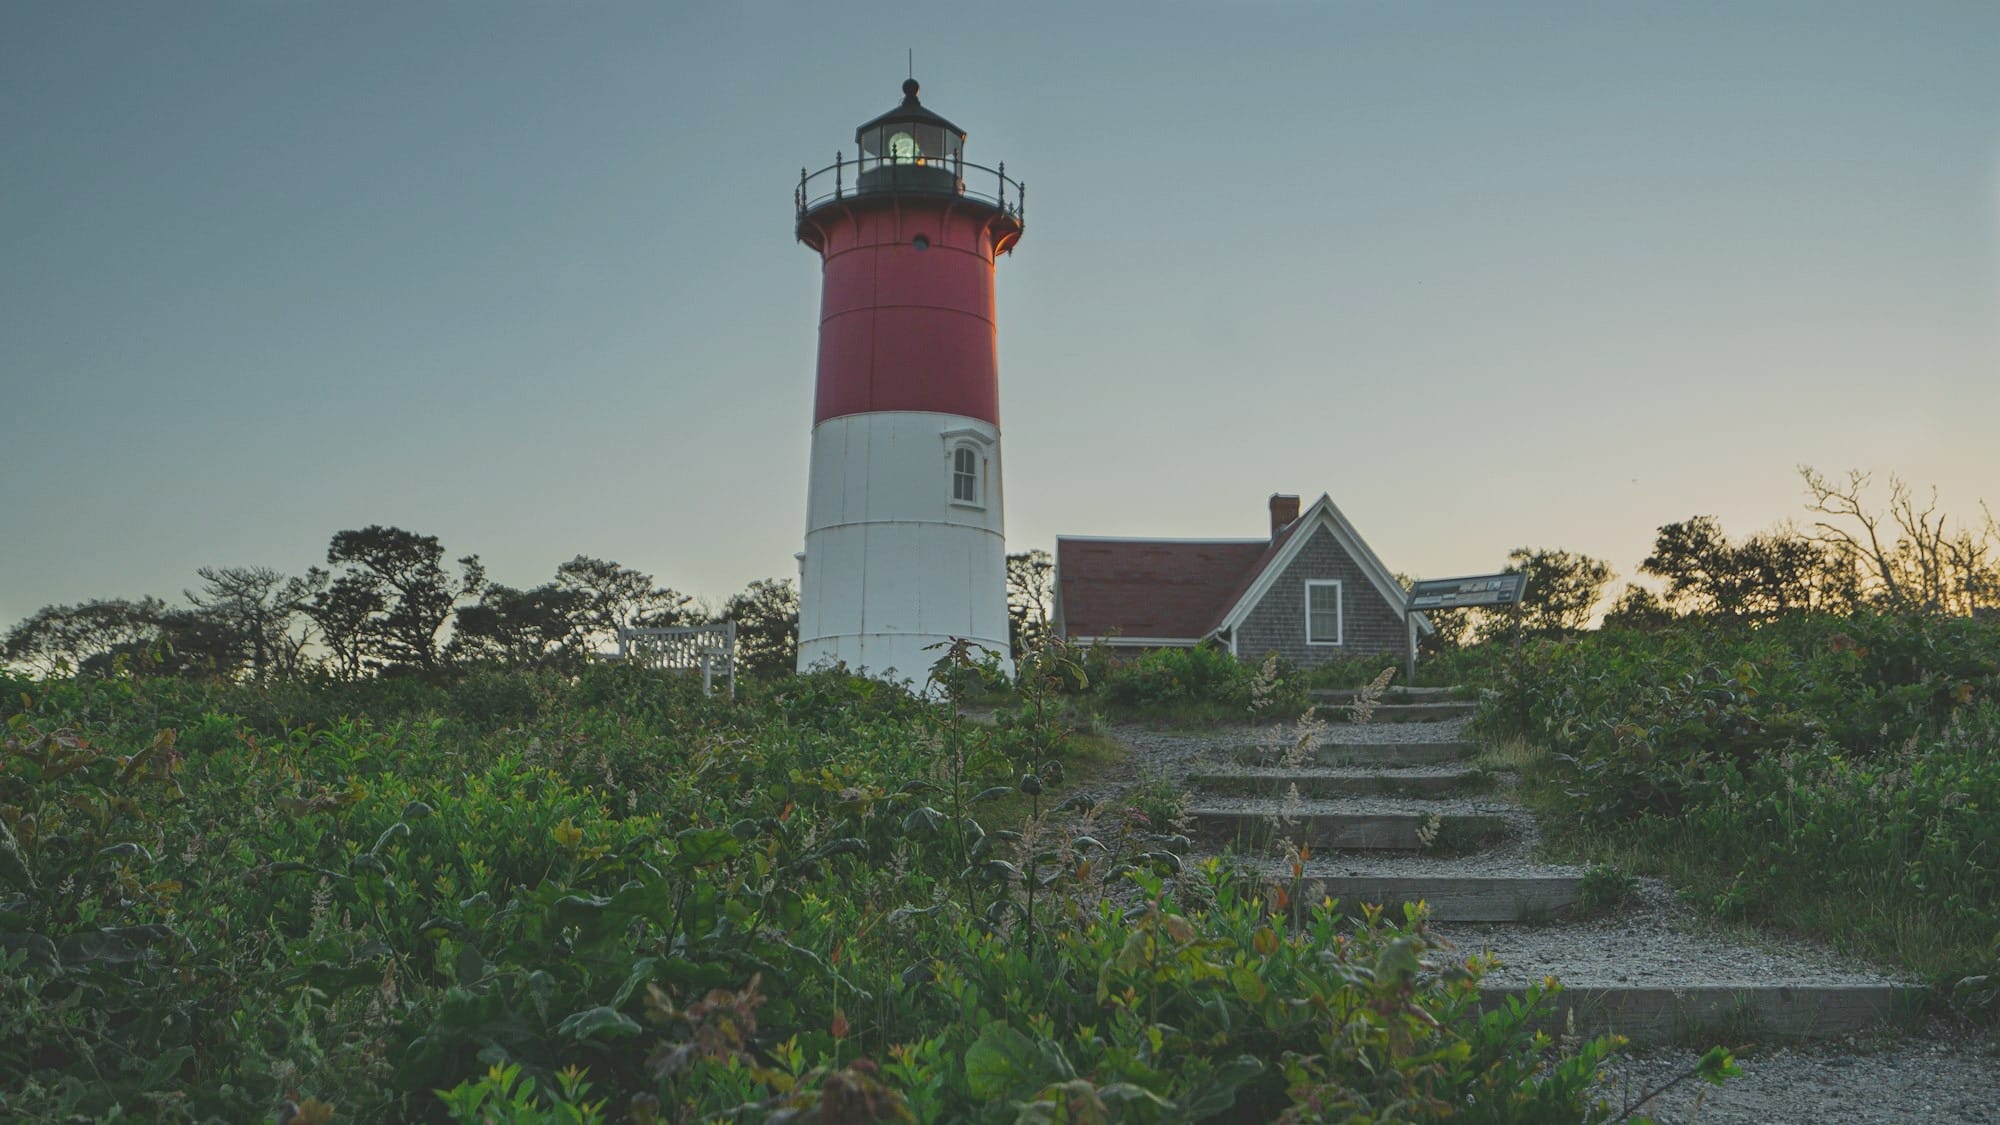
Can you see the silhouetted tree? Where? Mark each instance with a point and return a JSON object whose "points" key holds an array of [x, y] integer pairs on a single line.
{"points": [[767, 626], [85, 636], [344, 610], [521, 627], [613, 596], [1563, 589], [1030, 594], [256, 610], [1637, 608], [1912, 559], [1756, 579], [405, 570]]}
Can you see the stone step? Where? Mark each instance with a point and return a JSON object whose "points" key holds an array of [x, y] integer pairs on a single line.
{"points": [[1252, 828], [1369, 753], [1393, 695], [1339, 783], [1403, 712], [1731, 1015], [1457, 898]]}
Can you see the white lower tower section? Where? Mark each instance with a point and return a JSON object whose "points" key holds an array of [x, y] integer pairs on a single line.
{"points": [[904, 546]]}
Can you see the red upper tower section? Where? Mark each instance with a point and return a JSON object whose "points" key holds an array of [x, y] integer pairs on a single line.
{"points": [[908, 234]]}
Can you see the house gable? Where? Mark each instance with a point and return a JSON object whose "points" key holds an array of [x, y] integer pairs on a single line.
{"points": [[1276, 621], [1321, 546]]}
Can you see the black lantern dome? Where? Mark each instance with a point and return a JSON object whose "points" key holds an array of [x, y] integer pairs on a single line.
{"points": [[908, 151], [910, 148], [910, 133]]}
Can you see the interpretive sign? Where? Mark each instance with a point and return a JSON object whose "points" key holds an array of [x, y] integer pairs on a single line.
{"points": [[1483, 589]]}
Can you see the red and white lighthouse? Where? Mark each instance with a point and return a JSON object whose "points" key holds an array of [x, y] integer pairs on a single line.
{"points": [[905, 548]]}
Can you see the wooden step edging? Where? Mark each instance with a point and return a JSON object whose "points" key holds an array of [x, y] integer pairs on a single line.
{"points": [[1402, 712], [1453, 898], [1257, 829], [1389, 695], [1373, 753], [1391, 783], [1655, 1015]]}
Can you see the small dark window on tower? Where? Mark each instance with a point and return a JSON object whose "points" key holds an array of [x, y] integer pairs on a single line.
{"points": [[921, 242], [965, 476]]}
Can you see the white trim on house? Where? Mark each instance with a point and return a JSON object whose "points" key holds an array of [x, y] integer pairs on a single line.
{"points": [[1139, 642], [1323, 513], [1339, 613]]}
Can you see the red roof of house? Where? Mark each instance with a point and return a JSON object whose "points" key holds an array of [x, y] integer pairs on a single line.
{"points": [[1167, 589]]}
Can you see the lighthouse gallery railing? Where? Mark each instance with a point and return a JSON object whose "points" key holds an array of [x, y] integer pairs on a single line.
{"points": [[842, 179]]}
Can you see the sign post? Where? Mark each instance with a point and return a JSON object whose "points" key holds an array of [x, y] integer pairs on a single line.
{"points": [[1457, 593]]}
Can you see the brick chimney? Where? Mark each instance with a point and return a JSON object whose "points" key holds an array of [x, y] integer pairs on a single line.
{"points": [[1284, 509]]}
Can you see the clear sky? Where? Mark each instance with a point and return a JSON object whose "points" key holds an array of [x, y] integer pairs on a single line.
{"points": [[522, 275]]}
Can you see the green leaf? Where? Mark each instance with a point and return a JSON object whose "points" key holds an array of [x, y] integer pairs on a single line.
{"points": [[1000, 1061], [1218, 1094], [1248, 984], [601, 1022], [701, 847], [1000, 871], [388, 834], [164, 1070]]}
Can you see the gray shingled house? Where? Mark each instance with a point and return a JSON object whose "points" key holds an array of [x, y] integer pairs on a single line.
{"points": [[1311, 593]]}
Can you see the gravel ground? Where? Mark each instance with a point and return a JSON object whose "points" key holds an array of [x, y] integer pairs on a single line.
{"points": [[1943, 1074], [1359, 805], [1655, 941], [1276, 774]]}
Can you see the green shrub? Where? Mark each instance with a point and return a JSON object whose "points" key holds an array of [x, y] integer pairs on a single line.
{"points": [[1204, 679], [556, 898], [1832, 774]]}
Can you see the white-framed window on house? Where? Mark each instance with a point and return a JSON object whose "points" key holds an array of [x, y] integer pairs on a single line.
{"points": [[965, 475], [1323, 612]]}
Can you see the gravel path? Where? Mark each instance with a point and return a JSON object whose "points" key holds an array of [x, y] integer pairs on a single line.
{"points": [[1655, 941], [1944, 1074]]}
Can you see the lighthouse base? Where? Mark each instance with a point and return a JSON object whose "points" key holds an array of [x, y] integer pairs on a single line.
{"points": [[904, 552], [898, 657]]}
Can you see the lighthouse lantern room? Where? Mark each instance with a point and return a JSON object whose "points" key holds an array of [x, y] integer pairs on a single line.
{"points": [[905, 549]]}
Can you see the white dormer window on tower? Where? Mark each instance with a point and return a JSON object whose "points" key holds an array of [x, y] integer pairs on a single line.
{"points": [[966, 453], [965, 475]]}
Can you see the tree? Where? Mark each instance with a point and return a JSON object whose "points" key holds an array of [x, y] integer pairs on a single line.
{"points": [[1030, 594], [612, 597], [1637, 608], [1563, 588], [255, 609], [520, 627], [86, 636], [1759, 578], [767, 626], [344, 609], [1911, 558], [415, 595]]}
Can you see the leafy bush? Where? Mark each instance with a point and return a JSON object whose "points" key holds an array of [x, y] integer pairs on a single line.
{"points": [[1170, 681], [1834, 774], [530, 897]]}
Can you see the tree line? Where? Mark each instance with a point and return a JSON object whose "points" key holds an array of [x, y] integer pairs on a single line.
{"points": [[1906, 557], [383, 599], [380, 606]]}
